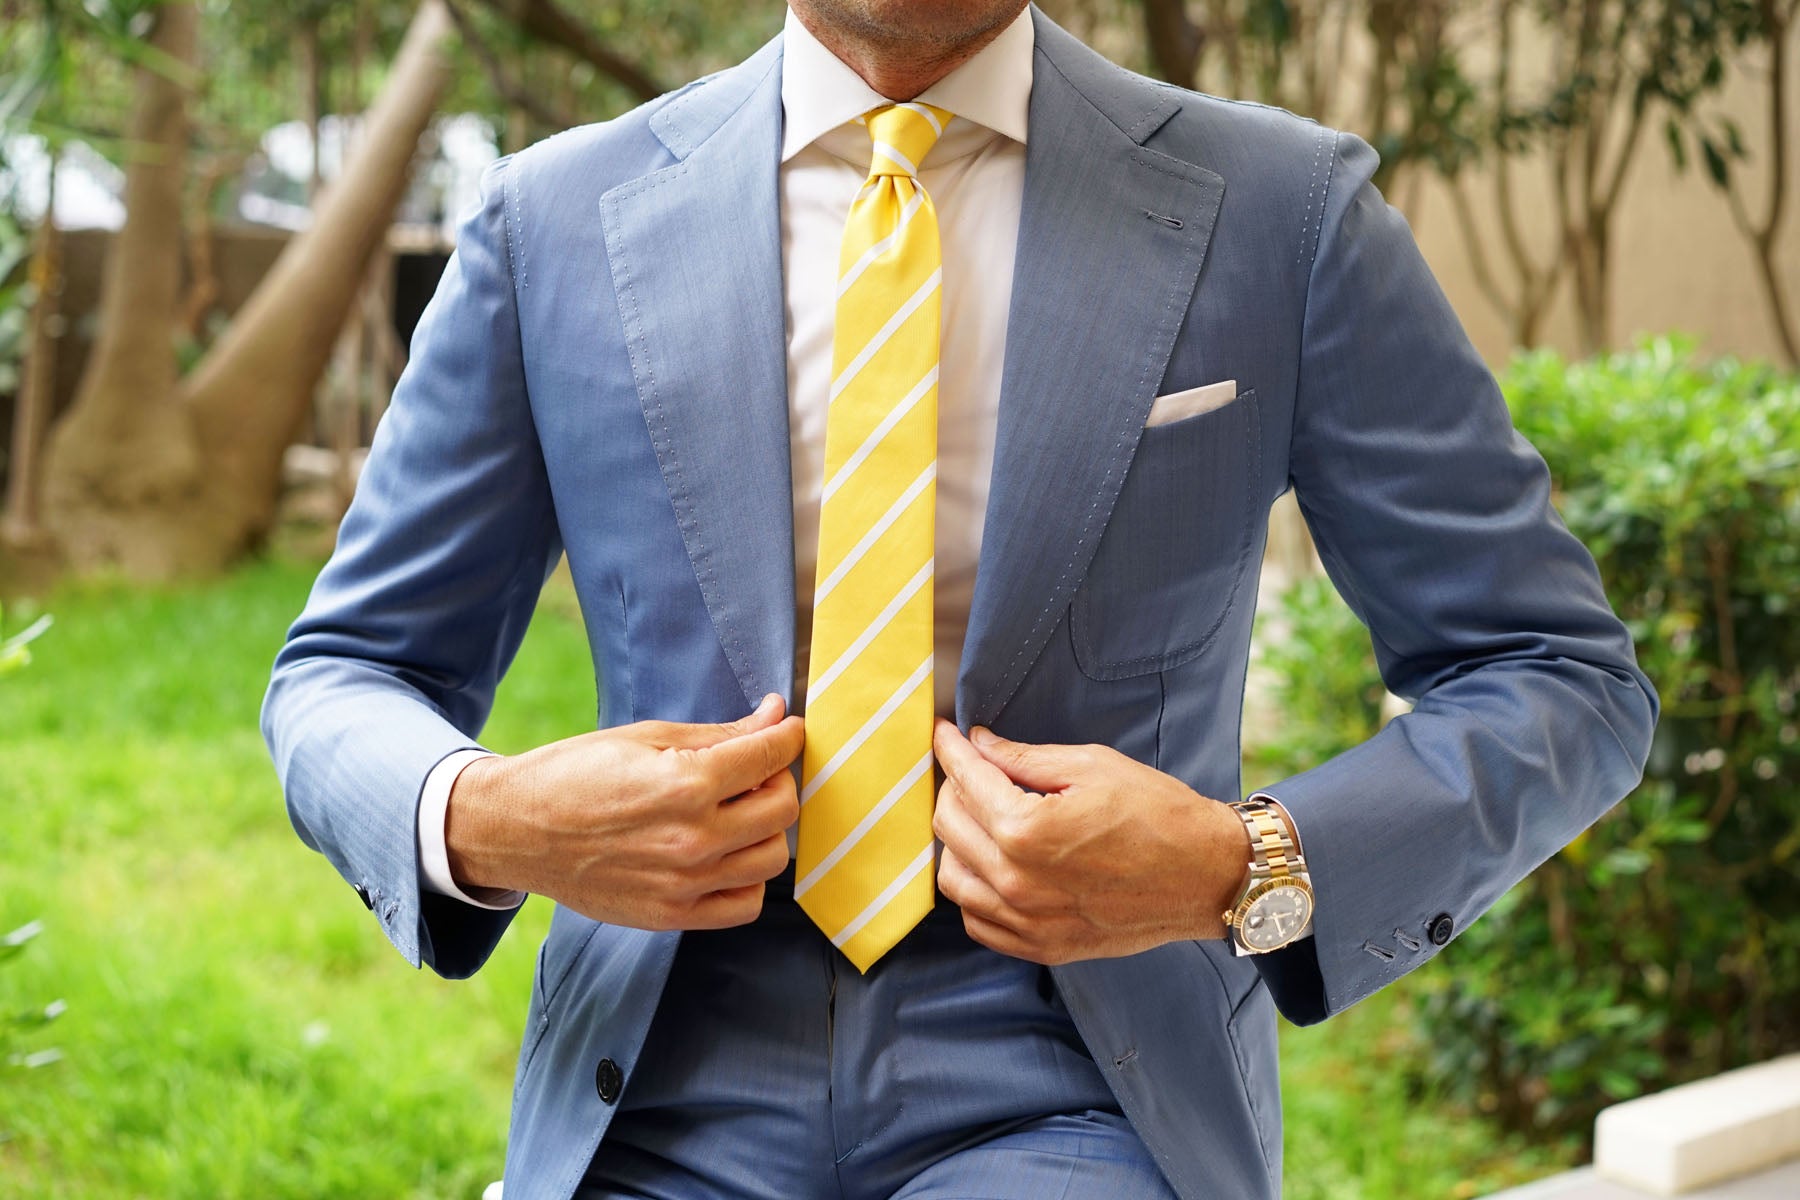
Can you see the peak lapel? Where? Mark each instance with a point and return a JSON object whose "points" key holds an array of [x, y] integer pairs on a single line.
{"points": [[696, 260], [1111, 239]]}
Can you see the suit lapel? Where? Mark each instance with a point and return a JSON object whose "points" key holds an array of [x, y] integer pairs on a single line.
{"points": [[696, 261], [1111, 239], [1099, 292]]}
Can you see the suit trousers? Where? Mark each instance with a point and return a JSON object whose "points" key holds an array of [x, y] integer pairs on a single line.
{"points": [[775, 1071]]}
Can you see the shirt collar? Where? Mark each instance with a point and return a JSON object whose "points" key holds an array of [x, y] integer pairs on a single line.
{"points": [[819, 92]]}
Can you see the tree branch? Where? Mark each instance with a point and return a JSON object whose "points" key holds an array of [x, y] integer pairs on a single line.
{"points": [[511, 92], [1779, 26], [542, 19], [1609, 195], [1478, 260], [1504, 201]]}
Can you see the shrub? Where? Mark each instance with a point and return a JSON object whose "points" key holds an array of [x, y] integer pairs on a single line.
{"points": [[1327, 689], [1663, 944]]}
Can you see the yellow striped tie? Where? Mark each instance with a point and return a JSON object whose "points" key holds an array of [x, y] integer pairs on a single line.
{"points": [[865, 855]]}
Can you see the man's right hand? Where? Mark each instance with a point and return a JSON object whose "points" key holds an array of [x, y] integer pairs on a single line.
{"points": [[656, 825]]}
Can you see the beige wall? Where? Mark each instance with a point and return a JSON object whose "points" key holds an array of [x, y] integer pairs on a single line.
{"points": [[1679, 261]]}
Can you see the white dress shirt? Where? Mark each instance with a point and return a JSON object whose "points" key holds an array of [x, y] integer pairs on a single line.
{"points": [[975, 176]]}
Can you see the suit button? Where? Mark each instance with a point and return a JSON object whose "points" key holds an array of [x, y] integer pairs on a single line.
{"points": [[362, 893], [1440, 929], [609, 1081]]}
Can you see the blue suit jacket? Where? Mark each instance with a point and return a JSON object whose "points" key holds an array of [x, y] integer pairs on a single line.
{"points": [[602, 374]]}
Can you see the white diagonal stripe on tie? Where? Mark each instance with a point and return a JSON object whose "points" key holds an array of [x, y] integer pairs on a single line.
{"points": [[885, 149], [874, 535], [886, 710], [874, 252], [868, 635], [862, 827], [843, 473], [885, 332], [925, 112], [887, 893]]}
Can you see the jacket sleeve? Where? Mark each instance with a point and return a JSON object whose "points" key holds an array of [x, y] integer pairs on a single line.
{"points": [[1433, 518], [439, 562]]}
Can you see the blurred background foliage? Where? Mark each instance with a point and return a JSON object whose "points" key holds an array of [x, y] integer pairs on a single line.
{"points": [[1664, 944], [66, 64], [1527, 120]]}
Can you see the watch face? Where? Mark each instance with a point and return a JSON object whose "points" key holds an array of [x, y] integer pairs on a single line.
{"points": [[1276, 917]]}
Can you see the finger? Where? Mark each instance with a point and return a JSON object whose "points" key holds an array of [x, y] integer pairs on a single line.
{"points": [[955, 882], [761, 813], [1041, 768], [754, 864], [725, 909], [1000, 938], [782, 779], [678, 735], [743, 762], [970, 892], [961, 832], [984, 787]]}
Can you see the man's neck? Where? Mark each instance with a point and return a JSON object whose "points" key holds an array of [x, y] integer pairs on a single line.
{"points": [[893, 64]]}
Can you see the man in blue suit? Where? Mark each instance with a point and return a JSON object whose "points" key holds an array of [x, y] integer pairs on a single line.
{"points": [[1160, 311]]}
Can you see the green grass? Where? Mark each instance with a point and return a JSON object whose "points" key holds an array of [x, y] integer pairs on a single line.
{"points": [[1355, 1130], [236, 1024], [238, 1027]]}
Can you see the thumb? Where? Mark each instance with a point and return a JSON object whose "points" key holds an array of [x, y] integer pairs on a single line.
{"points": [[673, 735], [1036, 767], [769, 712]]}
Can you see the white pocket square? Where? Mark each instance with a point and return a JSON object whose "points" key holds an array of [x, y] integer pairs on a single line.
{"points": [[1178, 406]]}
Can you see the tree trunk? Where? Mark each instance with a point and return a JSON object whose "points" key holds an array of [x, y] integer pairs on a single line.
{"points": [[1528, 321], [37, 391], [126, 447], [251, 392], [162, 479], [1174, 41], [1765, 237], [1593, 284], [312, 105], [202, 243]]}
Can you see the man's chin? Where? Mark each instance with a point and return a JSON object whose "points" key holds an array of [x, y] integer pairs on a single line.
{"points": [[943, 25]]}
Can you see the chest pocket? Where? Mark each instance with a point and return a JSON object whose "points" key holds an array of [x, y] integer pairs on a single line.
{"points": [[1176, 547]]}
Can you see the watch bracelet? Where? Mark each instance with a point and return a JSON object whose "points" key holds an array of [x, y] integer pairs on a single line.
{"points": [[1272, 849]]}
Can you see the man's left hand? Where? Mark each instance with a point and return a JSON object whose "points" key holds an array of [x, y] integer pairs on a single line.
{"points": [[1062, 853]]}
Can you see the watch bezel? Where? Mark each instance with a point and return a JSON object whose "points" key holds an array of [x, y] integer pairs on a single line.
{"points": [[1261, 888]]}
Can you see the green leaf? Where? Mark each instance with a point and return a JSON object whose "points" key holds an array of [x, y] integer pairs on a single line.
{"points": [[23, 934], [1677, 143], [1619, 1085], [1734, 139], [1716, 164]]}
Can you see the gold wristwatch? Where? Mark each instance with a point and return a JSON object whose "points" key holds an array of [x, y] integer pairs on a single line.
{"points": [[1276, 908]]}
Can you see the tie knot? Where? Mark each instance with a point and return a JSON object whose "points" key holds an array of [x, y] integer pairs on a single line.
{"points": [[903, 135]]}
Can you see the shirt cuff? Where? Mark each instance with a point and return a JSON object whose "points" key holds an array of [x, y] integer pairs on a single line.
{"points": [[434, 853]]}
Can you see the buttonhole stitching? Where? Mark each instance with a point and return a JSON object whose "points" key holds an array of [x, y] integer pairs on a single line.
{"points": [[1381, 952]]}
